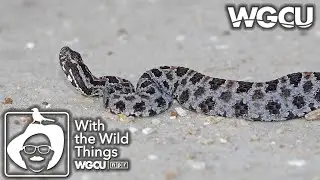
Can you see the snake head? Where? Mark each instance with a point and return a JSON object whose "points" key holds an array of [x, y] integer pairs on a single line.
{"points": [[72, 65], [67, 54]]}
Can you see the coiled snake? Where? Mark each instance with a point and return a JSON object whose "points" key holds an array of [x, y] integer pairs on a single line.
{"points": [[288, 97]]}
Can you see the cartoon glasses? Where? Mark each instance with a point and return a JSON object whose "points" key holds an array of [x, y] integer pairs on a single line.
{"points": [[42, 149]]}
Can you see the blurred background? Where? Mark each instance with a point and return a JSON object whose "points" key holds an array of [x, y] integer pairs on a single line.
{"points": [[126, 38]]}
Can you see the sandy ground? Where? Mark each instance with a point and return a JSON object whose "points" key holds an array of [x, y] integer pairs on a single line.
{"points": [[126, 38]]}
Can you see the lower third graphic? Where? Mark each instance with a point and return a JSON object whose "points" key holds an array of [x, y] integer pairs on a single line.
{"points": [[41, 148]]}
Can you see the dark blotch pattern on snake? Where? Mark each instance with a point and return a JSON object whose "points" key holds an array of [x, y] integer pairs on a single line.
{"points": [[288, 97]]}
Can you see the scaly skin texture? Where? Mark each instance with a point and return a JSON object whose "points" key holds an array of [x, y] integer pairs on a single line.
{"points": [[288, 97]]}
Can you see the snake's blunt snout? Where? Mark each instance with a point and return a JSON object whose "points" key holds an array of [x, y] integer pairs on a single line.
{"points": [[64, 52], [67, 53]]}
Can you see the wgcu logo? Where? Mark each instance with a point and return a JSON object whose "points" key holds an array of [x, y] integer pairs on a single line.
{"points": [[267, 16]]}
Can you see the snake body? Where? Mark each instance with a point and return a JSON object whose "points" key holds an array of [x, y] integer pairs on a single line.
{"points": [[288, 97]]}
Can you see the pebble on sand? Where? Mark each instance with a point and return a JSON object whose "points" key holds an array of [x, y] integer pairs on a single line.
{"points": [[110, 53], [133, 129], [30, 45], [173, 115], [7, 100], [207, 141], [46, 104], [147, 131], [297, 162], [197, 164], [124, 118], [181, 111], [171, 174], [152, 157], [223, 141], [123, 35], [313, 115], [254, 138], [180, 37]]}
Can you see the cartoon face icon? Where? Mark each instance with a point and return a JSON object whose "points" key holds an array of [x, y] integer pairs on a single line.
{"points": [[37, 153], [38, 148]]}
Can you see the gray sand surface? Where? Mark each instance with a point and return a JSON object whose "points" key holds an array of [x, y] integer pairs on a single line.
{"points": [[126, 38]]}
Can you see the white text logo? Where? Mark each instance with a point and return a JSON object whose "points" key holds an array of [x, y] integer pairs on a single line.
{"points": [[267, 16]]}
